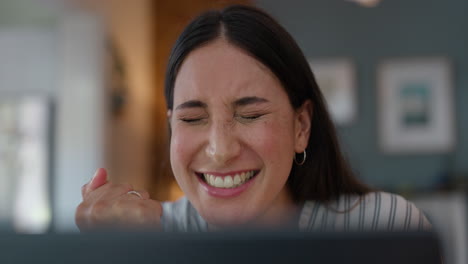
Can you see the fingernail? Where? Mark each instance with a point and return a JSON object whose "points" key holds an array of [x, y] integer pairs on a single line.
{"points": [[94, 176]]}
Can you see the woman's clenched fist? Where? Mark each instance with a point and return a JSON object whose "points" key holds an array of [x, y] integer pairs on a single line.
{"points": [[108, 205]]}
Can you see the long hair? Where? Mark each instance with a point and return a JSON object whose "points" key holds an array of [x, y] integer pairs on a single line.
{"points": [[325, 174]]}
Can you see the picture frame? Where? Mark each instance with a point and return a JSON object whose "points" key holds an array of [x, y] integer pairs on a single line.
{"points": [[336, 79], [416, 105]]}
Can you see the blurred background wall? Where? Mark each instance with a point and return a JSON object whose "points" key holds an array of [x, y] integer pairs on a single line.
{"points": [[368, 36], [98, 67]]}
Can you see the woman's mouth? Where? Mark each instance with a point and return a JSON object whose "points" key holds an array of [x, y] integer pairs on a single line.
{"points": [[226, 185], [228, 181]]}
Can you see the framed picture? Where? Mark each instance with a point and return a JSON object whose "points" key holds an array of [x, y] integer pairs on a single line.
{"points": [[416, 106], [336, 79]]}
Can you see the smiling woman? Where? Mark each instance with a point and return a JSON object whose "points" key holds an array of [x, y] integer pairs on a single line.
{"points": [[241, 129], [252, 143]]}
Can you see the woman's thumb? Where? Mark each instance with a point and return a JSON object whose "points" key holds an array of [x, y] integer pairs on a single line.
{"points": [[99, 179]]}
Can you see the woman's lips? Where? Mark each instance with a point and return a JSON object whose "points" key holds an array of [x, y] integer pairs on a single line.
{"points": [[226, 185]]}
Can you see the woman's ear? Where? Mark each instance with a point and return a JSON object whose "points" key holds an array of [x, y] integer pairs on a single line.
{"points": [[302, 125]]}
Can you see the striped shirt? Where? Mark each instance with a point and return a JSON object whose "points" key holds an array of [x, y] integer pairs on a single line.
{"points": [[376, 211]]}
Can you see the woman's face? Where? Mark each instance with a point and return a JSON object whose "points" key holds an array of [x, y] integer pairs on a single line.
{"points": [[234, 136]]}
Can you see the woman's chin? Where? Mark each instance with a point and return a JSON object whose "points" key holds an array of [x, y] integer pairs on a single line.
{"points": [[223, 220]]}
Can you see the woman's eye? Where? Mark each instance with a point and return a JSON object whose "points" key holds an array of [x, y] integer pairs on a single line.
{"points": [[251, 117], [191, 120]]}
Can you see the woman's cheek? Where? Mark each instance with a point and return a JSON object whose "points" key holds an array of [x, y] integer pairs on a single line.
{"points": [[271, 138], [183, 143]]}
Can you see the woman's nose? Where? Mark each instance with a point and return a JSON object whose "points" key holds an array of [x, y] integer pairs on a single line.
{"points": [[223, 145]]}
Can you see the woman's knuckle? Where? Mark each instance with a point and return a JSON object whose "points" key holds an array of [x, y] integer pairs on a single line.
{"points": [[120, 204], [98, 209], [156, 206], [139, 207], [124, 187], [81, 208]]}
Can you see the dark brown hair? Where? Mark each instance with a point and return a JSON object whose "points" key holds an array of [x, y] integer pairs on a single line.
{"points": [[325, 174]]}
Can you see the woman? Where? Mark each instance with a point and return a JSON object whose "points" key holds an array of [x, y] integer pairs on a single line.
{"points": [[252, 143]]}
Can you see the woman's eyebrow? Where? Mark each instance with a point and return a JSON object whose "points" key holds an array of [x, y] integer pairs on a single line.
{"points": [[191, 104], [249, 100]]}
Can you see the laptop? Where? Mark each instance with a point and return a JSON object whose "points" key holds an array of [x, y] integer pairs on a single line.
{"points": [[222, 247]]}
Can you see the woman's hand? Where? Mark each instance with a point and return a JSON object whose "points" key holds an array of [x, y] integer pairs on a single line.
{"points": [[108, 205]]}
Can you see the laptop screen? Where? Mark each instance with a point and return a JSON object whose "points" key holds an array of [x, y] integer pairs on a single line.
{"points": [[226, 247]]}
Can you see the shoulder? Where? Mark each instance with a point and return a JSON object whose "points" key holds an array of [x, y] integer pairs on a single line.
{"points": [[373, 211], [395, 212], [181, 216]]}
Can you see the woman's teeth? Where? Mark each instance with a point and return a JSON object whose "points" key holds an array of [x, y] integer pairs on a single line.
{"points": [[228, 181]]}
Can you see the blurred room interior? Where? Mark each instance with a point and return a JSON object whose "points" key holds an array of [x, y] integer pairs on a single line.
{"points": [[81, 87]]}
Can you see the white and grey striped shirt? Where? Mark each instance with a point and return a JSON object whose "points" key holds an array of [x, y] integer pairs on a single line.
{"points": [[376, 211]]}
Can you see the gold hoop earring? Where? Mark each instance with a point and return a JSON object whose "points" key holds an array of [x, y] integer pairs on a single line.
{"points": [[303, 159]]}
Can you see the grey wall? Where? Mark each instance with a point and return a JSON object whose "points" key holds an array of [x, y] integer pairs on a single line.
{"points": [[395, 28]]}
